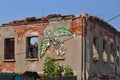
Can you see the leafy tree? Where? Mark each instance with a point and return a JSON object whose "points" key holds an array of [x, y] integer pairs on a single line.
{"points": [[51, 69], [68, 71]]}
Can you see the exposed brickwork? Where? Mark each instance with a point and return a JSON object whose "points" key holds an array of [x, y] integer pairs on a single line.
{"points": [[46, 19], [7, 67], [92, 26], [21, 30], [105, 32], [77, 26]]}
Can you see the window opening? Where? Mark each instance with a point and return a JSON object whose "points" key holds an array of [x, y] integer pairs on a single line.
{"points": [[112, 52], [9, 48], [111, 58], [104, 51], [95, 52], [118, 57], [32, 47]]}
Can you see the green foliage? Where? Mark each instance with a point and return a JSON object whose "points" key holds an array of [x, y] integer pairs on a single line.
{"points": [[51, 68], [68, 71]]}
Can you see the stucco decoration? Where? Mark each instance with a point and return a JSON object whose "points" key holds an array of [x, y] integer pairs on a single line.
{"points": [[53, 40]]}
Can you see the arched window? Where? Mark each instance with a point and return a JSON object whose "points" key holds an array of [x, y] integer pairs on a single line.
{"points": [[118, 57], [112, 52], [104, 51], [95, 52], [111, 58]]}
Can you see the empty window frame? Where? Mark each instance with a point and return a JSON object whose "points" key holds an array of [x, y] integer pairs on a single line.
{"points": [[112, 52], [32, 47], [117, 58], [9, 48], [95, 52], [111, 58], [104, 51]]}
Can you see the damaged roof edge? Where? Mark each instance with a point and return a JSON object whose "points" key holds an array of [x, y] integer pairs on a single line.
{"points": [[101, 22], [58, 17], [43, 19]]}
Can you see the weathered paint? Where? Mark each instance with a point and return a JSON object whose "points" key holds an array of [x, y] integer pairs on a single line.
{"points": [[96, 28]]}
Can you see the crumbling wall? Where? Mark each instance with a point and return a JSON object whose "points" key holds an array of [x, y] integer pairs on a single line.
{"points": [[21, 29], [93, 38], [6, 66], [103, 62]]}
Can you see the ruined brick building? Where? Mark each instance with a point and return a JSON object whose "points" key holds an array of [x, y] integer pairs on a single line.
{"points": [[91, 46]]}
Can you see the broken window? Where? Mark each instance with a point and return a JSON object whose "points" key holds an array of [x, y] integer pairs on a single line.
{"points": [[117, 60], [95, 52], [9, 48], [32, 47], [118, 57], [111, 58], [104, 51], [112, 52]]}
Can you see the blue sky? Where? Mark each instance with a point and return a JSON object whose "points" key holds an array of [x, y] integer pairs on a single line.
{"points": [[19, 9]]}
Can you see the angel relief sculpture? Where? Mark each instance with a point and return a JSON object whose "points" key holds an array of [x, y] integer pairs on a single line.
{"points": [[53, 40]]}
